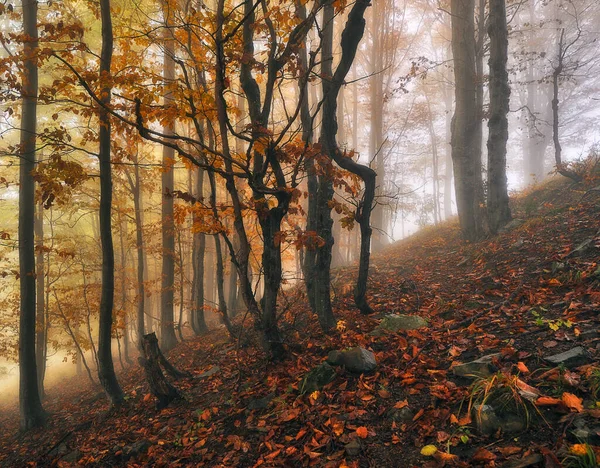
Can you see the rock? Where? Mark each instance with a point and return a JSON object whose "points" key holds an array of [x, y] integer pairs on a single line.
{"points": [[402, 415], [136, 449], [357, 360], [353, 448], [486, 420], [317, 378], [514, 224], [71, 457], [482, 367], [398, 322], [583, 248], [210, 372], [572, 358], [260, 403], [519, 243], [513, 424], [558, 266], [60, 449], [525, 462]]}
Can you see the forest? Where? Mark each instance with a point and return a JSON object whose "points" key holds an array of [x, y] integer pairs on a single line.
{"points": [[300, 233]]}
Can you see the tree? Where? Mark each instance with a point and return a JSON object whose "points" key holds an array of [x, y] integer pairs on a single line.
{"points": [[32, 413], [106, 371], [466, 156], [167, 331], [498, 209]]}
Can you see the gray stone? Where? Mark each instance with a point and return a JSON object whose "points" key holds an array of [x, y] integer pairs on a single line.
{"points": [[260, 403], [583, 248], [558, 266], [402, 415], [513, 424], [514, 224], [71, 457], [482, 367], [210, 372], [317, 378], [518, 244], [398, 322], [137, 448], [353, 448], [357, 359], [60, 449], [572, 358], [486, 420]]}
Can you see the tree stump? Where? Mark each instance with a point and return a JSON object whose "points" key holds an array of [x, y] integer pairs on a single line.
{"points": [[151, 362]]}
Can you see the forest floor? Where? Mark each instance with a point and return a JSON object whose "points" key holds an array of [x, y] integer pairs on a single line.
{"points": [[524, 294]]}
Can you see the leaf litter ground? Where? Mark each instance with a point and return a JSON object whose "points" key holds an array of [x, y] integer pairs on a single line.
{"points": [[522, 295]]}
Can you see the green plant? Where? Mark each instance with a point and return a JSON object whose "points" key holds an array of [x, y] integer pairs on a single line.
{"points": [[580, 456], [554, 325], [508, 394]]}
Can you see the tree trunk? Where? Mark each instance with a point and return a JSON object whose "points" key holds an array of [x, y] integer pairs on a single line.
{"points": [[351, 37], [139, 241], [31, 411], [465, 147], [159, 386], [167, 321], [41, 342], [498, 209], [200, 250], [560, 166], [122, 233], [106, 370]]}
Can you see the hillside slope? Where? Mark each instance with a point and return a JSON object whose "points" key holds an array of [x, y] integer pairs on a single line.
{"points": [[522, 296]]}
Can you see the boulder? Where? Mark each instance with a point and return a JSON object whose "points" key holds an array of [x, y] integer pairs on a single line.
{"points": [[210, 372], [402, 415], [136, 449], [482, 367], [572, 358], [317, 378], [71, 457], [585, 247], [486, 420], [399, 322], [353, 448], [357, 360], [514, 224]]}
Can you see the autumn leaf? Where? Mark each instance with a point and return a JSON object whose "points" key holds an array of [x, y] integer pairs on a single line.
{"points": [[547, 401], [429, 450], [573, 402], [483, 455], [522, 367], [362, 432], [401, 404]]}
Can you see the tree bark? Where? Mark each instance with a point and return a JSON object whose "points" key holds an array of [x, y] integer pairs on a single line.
{"points": [[498, 208], [351, 37], [139, 241], [200, 250], [41, 338], [159, 385], [31, 412], [167, 321], [465, 146], [106, 371]]}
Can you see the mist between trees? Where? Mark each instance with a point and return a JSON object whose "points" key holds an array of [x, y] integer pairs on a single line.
{"points": [[173, 166]]}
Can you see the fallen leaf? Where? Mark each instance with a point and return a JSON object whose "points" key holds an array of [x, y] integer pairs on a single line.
{"points": [[510, 450], [572, 402], [483, 455], [362, 432], [401, 404], [522, 367], [550, 344], [429, 450], [547, 401]]}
